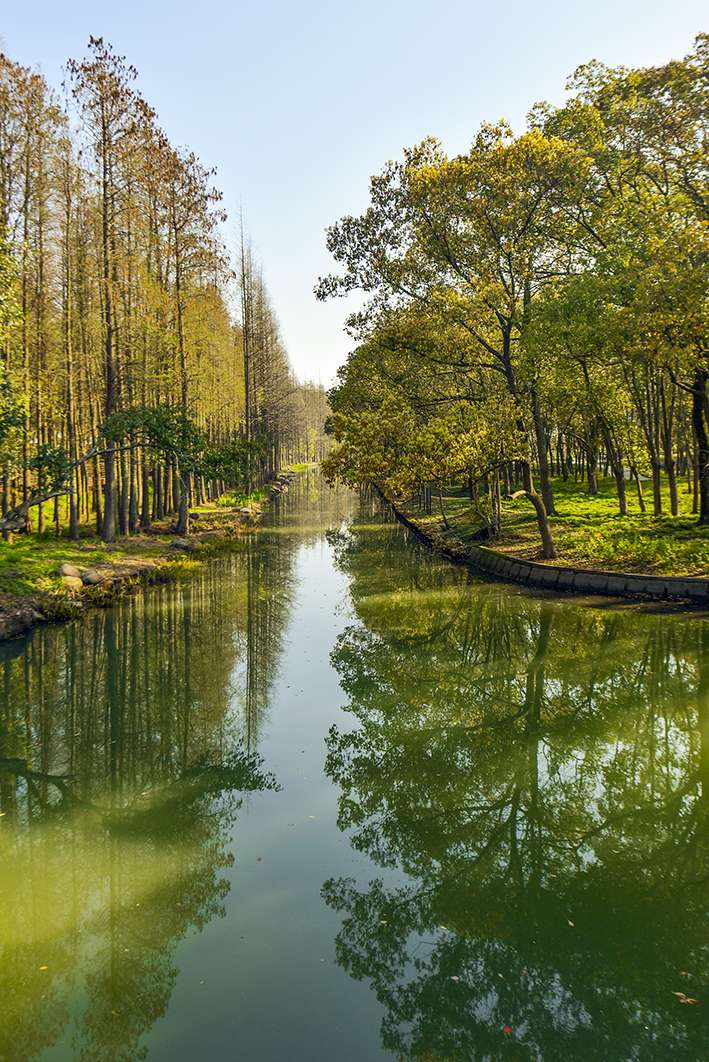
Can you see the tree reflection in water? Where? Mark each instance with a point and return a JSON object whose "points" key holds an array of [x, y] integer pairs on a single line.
{"points": [[539, 772], [125, 746]]}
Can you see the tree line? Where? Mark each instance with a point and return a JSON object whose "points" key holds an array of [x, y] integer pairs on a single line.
{"points": [[537, 305], [142, 368]]}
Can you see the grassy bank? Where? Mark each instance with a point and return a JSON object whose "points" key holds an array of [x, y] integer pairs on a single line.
{"points": [[33, 588], [255, 497], [30, 564], [303, 466], [588, 532]]}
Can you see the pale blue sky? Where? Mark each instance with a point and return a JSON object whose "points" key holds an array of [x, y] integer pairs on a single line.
{"points": [[298, 103]]}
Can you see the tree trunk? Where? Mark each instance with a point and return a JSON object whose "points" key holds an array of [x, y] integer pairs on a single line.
{"points": [[667, 419], [145, 493], [700, 423], [123, 495], [671, 470], [529, 492], [615, 458], [133, 500], [639, 487], [592, 464], [540, 434], [183, 510], [108, 533], [443, 512], [656, 485]]}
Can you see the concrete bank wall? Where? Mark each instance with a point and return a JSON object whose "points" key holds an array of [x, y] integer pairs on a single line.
{"points": [[567, 580]]}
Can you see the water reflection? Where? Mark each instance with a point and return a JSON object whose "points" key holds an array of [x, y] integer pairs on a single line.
{"points": [[524, 784], [126, 745], [539, 772]]}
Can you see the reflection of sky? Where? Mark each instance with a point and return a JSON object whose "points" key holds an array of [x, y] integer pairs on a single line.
{"points": [[271, 983]]}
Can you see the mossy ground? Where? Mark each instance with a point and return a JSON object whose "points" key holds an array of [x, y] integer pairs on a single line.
{"points": [[589, 533]]}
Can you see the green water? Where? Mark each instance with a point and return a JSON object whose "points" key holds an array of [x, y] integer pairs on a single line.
{"points": [[335, 799]]}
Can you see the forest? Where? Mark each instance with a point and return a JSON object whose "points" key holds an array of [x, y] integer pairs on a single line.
{"points": [[532, 325], [142, 368]]}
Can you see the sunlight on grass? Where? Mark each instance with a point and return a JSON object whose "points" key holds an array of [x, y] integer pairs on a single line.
{"points": [[589, 532]]}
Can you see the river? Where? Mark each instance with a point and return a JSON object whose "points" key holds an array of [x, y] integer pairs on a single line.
{"points": [[337, 799]]}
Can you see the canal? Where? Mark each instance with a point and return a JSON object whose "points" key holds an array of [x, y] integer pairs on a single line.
{"points": [[337, 799]]}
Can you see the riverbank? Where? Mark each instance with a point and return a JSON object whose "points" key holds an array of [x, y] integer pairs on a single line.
{"points": [[588, 530], [44, 578], [556, 576]]}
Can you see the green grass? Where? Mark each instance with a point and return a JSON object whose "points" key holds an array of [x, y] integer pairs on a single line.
{"points": [[588, 532], [234, 500], [29, 564]]}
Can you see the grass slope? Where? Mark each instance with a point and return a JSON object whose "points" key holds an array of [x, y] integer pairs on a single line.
{"points": [[29, 563], [589, 533]]}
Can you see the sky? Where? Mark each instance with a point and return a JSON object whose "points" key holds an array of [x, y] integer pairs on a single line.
{"points": [[297, 104]]}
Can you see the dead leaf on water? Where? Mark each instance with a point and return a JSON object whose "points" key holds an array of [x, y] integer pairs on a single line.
{"points": [[685, 999]]}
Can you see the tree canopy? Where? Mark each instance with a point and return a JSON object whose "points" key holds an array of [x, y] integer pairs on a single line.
{"points": [[118, 295], [539, 300]]}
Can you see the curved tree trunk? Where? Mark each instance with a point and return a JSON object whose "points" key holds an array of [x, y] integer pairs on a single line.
{"points": [[639, 487], [548, 548]]}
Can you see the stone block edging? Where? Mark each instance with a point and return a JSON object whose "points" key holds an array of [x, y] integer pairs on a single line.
{"points": [[565, 579]]}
